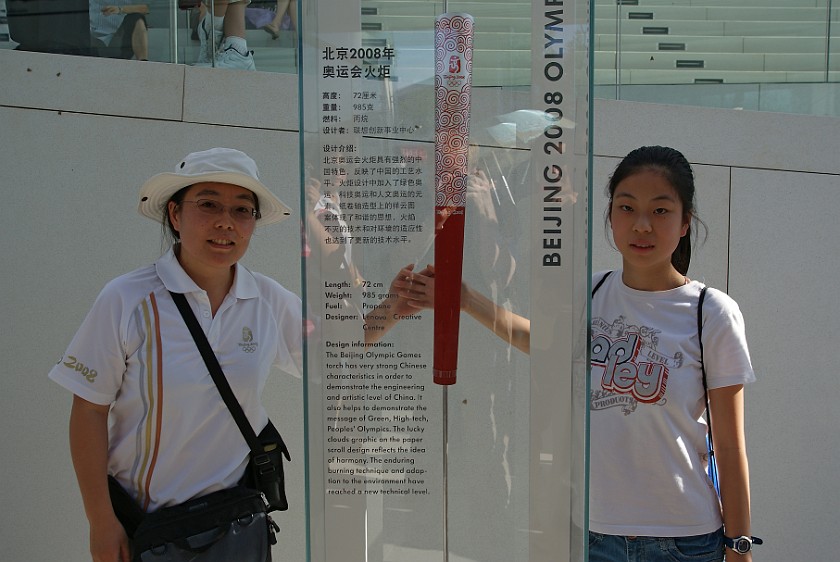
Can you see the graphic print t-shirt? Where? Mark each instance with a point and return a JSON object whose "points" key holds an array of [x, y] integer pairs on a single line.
{"points": [[648, 454]]}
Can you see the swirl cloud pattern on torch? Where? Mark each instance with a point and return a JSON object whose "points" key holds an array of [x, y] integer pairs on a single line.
{"points": [[453, 77]]}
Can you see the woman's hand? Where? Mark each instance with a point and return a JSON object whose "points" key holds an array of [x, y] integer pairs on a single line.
{"points": [[89, 451], [408, 293], [108, 541], [727, 413], [479, 193], [312, 189], [414, 291]]}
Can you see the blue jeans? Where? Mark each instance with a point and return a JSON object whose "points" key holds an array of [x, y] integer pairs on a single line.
{"points": [[615, 548]]}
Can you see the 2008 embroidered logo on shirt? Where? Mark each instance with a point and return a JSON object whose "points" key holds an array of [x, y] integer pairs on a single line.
{"points": [[88, 373]]}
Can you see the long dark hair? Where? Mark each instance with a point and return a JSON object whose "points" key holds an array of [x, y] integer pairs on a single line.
{"points": [[170, 235], [677, 171]]}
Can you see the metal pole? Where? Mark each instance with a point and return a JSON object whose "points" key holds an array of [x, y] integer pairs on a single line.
{"points": [[211, 5], [445, 432], [173, 33], [827, 38], [618, 50], [445, 473]]}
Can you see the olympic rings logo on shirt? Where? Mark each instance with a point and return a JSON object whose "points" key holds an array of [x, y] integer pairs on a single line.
{"points": [[248, 344]]}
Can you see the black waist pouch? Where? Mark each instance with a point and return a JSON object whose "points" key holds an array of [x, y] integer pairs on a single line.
{"points": [[223, 526], [125, 508]]}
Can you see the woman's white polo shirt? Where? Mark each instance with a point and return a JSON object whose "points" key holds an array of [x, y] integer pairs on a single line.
{"points": [[171, 438]]}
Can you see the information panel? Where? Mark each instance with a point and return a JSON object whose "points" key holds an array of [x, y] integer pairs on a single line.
{"points": [[405, 461]]}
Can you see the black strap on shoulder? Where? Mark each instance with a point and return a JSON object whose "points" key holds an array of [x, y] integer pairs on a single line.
{"points": [[216, 373], [601, 282], [703, 366]]}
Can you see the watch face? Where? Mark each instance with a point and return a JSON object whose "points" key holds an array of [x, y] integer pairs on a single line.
{"points": [[742, 545]]}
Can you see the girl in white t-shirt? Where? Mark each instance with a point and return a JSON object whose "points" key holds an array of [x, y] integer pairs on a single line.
{"points": [[650, 496]]}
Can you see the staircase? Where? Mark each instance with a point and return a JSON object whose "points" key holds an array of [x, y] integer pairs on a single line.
{"points": [[635, 41], [653, 42]]}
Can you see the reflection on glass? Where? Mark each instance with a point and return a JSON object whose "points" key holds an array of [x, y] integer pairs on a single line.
{"points": [[48, 26], [118, 29], [260, 35], [762, 56]]}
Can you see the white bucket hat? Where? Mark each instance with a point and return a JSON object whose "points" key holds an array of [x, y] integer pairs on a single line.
{"points": [[222, 165]]}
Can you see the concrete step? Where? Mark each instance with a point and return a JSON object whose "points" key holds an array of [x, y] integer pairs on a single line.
{"points": [[522, 24], [750, 62], [789, 45], [605, 77], [711, 28], [714, 13], [687, 43], [726, 3], [412, 8], [495, 58]]}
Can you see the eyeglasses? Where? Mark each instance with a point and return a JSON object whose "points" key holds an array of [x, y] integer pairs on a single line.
{"points": [[240, 213]]}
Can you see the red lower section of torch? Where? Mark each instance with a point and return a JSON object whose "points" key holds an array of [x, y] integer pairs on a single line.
{"points": [[444, 377], [449, 258]]}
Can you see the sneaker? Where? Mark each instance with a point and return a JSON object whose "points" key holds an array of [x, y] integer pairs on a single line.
{"points": [[231, 58]]}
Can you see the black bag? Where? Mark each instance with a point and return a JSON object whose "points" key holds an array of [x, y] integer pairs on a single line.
{"points": [[265, 468], [125, 508], [226, 525], [230, 524], [265, 471]]}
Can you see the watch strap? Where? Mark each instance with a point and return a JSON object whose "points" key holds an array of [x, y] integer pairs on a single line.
{"points": [[732, 544]]}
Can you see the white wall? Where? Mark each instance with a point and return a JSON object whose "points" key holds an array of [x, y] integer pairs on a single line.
{"points": [[71, 169], [76, 148]]}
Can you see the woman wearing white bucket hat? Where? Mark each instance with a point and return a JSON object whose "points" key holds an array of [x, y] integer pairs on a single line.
{"points": [[145, 410]]}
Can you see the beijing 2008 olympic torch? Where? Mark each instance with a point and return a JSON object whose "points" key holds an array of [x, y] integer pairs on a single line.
{"points": [[453, 80]]}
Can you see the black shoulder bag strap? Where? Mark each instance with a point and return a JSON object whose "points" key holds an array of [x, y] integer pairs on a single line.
{"points": [[601, 282], [218, 375], [703, 371]]}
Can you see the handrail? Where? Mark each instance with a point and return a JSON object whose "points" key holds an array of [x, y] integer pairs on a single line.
{"points": [[827, 39]]}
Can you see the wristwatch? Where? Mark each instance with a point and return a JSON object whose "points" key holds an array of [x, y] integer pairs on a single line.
{"points": [[742, 544]]}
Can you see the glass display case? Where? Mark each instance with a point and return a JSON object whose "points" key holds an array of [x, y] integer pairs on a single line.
{"points": [[491, 464]]}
